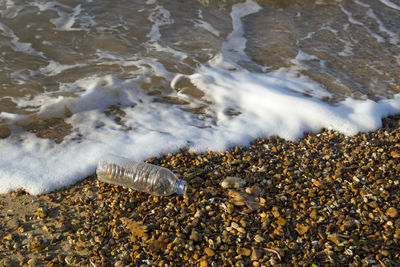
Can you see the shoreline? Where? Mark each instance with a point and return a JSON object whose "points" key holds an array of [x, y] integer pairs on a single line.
{"points": [[325, 199]]}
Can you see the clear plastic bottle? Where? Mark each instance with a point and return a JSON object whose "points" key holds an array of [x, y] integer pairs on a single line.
{"points": [[140, 176]]}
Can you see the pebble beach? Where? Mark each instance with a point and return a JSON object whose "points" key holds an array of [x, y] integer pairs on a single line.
{"points": [[323, 200]]}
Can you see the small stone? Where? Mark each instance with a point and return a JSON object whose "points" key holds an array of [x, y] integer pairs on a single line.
{"points": [[241, 230], [292, 246], [384, 252], [118, 264], [32, 262], [392, 212], [255, 254], [233, 182], [243, 251], [313, 215], [209, 252], [8, 237], [234, 225], [395, 154], [203, 263], [317, 183], [334, 238], [198, 214], [280, 221], [275, 212], [259, 238], [348, 252], [302, 228], [195, 236], [330, 228], [348, 223], [235, 162], [373, 204], [41, 212], [272, 261]]}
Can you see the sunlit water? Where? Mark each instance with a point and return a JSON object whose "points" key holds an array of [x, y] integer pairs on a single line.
{"points": [[137, 79]]}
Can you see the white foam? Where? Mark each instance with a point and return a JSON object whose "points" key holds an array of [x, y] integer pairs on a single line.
{"points": [[390, 4], [67, 16], [206, 26], [236, 43], [354, 21], [348, 46], [159, 16], [54, 68], [65, 21], [394, 38], [10, 116], [9, 9]]}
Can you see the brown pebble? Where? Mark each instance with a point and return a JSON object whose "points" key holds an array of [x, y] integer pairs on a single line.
{"points": [[209, 252], [195, 236], [281, 221], [32, 262], [275, 212], [348, 223], [313, 215], [392, 212], [243, 251], [335, 239], [118, 263], [302, 228], [8, 237], [259, 238], [203, 263], [395, 154], [41, 212], [255, 254]]}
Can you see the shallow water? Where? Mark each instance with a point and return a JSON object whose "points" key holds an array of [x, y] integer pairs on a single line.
{"points": [[136, 78]]}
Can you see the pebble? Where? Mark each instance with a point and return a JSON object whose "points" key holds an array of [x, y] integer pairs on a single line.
{"points": [[256, 254], [259, 238], [302, 228], [209, 252], [32, 262], [41, 212], [392, 212], [195, 236], [280, 221], [243, 251], [233, 182]]}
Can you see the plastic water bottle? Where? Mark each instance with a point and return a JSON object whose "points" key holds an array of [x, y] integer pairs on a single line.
{"points": [[140, 176]]}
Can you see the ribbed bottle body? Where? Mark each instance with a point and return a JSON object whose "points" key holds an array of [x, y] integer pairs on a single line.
{"points": [[140, 176]]}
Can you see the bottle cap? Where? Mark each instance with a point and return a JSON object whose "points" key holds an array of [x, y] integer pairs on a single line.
{"points": [[181, 189]]}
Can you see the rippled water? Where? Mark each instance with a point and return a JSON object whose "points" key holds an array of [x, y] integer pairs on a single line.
{"points": [[86, 77], [350, 47]]}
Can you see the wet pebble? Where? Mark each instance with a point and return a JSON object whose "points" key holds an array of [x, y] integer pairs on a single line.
{"points": [[233, 182]]}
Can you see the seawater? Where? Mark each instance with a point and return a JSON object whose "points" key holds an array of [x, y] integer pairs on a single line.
{"points": [[141, 78]]}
